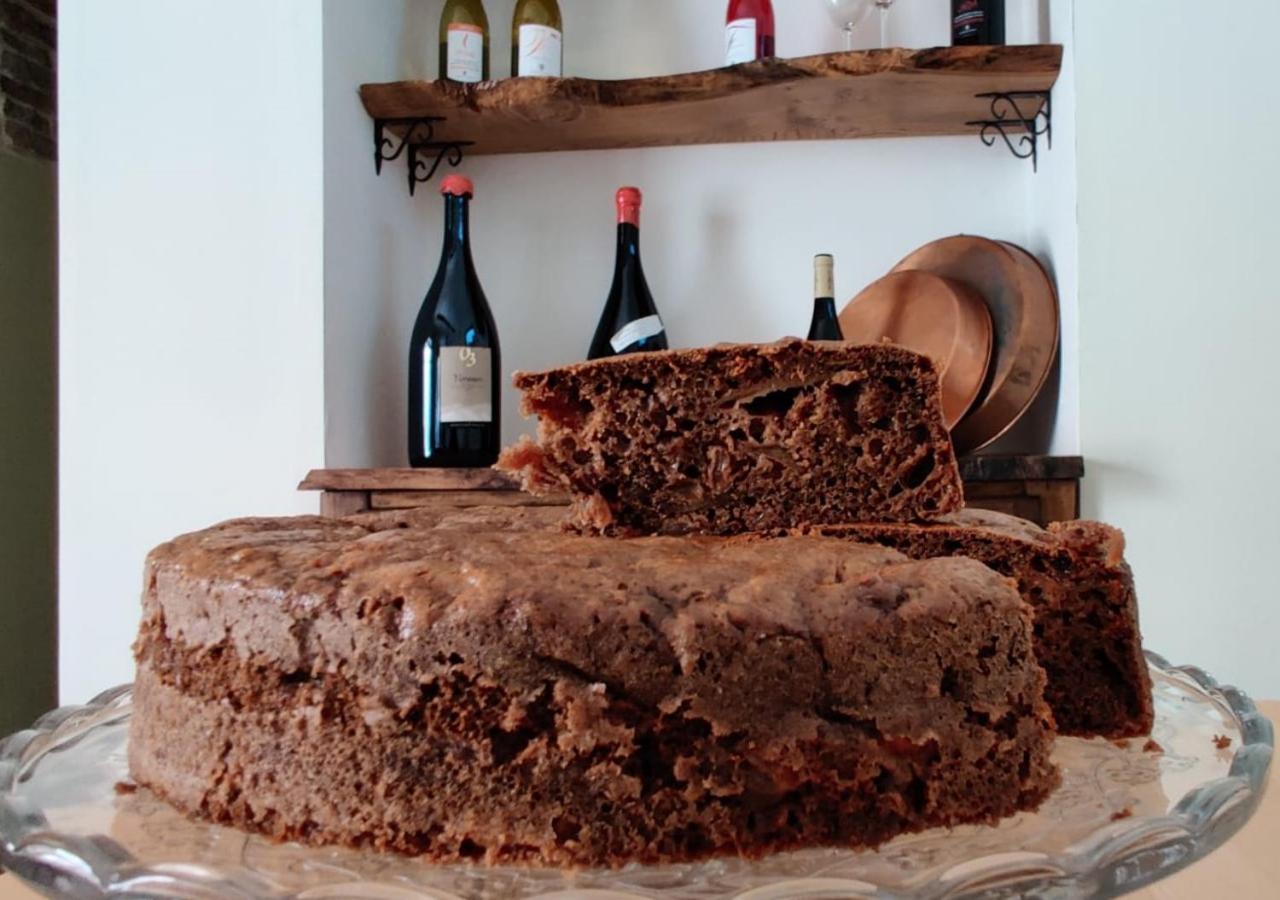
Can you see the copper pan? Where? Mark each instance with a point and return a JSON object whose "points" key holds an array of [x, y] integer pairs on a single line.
{"points": [[1024, 310], [941, 318]]}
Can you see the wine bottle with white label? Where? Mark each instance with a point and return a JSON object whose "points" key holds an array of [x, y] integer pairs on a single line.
{"points": [[748, 31], [537, 39], [455, 363], [464, 41], [630, 322], [824, 326]]}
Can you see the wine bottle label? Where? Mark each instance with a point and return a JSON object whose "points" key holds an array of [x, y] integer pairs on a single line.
{"points": [[824, 278], [969, 18], [740, 41], [541, 51], [638, 330], [466, 384], [466, 52]]}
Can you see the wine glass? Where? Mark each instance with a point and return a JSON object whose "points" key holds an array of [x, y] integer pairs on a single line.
{"points": [[850, 13]]}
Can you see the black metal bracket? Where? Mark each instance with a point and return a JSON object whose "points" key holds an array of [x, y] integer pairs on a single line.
{"points": [[422, 168], [1020, 118], [392, 137]]}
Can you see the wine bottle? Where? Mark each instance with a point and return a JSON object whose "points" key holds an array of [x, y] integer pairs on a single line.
{"points": [[454, 358], [748, 31], [464, 41], [824, 325], [977, 22], [630, 322], [537, 39]]}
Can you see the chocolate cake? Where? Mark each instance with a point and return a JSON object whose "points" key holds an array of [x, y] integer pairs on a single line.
{"points": [[467, 695], [1086, 613], [740, 438]]}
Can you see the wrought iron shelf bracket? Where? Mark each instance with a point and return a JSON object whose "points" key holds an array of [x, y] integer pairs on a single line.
{"points": [[422, 167], [1020, 118], [393, 138]]}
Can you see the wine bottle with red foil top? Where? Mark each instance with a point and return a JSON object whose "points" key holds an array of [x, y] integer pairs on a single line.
{"points": [[748, 31], [455, 363], [630, 323]]}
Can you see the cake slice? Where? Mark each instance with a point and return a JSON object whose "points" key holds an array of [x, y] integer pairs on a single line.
{"points": [[470, 695], [739, 438], [1075, 578]]}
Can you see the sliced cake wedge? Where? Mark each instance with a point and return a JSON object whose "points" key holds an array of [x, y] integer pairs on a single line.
{"points": [[740, 438], [1075, 578]]}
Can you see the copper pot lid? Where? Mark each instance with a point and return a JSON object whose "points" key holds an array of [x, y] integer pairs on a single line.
{"points": [[941, 318], [1024, 310]]}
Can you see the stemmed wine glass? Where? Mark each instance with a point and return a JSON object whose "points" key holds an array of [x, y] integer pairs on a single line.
{"points": [[849, 13]]}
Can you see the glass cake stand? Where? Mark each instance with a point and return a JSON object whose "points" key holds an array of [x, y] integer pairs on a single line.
{"points": [[1127, 814]]}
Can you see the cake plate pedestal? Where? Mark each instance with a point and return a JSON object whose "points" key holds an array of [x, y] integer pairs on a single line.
{"points": [[1128, 813]]}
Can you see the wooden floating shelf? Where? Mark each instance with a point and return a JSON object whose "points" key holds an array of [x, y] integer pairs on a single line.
{"points": [[861, 94]]}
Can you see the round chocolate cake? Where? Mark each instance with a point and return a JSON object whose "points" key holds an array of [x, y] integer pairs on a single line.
{"points": [[545, 698]]}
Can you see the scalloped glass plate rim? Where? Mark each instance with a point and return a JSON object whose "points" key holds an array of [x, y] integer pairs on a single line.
{"points": [[1116, 859]]}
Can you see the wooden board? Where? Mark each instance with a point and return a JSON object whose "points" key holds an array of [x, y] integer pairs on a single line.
{"points": [[943, 319], [868, 93], [458, 499], [407, 480], [985, 467], [1024, 311]]}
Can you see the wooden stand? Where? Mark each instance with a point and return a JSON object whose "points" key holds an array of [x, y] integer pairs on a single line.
{"points": [[1040, 488]]}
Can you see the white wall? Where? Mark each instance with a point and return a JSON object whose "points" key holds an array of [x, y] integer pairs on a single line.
{"points": [[237, 286], [1179, 188], [729, 231], [191, 291]]}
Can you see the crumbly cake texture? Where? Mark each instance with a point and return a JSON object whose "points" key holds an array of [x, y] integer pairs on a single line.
{"points": [[740, 438], [1073, 574], [1075, 578], [468, 695]]}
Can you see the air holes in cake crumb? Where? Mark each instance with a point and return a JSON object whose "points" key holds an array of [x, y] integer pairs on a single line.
{"points": [[917, 794], [875, 446], [774, 403], [738, 435], [846, 398], [507, 745], [581, 457], [469, 849], [756, 429], [950, 684], [920, 472], [920, 434], [692, 472], [566, 828]]}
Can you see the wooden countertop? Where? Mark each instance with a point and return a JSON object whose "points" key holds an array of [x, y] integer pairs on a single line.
{"points": [[1247, 866]]}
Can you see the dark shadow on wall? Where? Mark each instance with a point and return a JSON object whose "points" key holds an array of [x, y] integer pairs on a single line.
{"points": [[28, 402], [28, 362]]}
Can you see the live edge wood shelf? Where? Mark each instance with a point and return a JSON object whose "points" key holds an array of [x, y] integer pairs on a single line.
{"points": [[1040, 488], [860, 94]]}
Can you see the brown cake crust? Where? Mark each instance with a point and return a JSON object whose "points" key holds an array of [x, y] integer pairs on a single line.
{"points": [[469, 695], [1075, 578], [740, 438]]}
